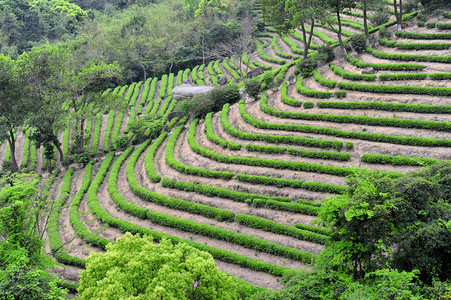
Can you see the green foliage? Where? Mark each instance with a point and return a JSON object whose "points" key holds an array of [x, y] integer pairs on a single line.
{"points": [[415, 46], [200, 105], [444, 26], [440, 76], [275, 227], [388, 89], [308, 105], [398, 160], [409, 76], [391, 67], [266, 57], [413, 237], [217, 139], [288, 100], [417, 108], [253, 88], [324, 81], [338, 94], [120, 142], [148, 127], [358, 42], [306, 67], [310, 93], [28, 284], [349, 145], [424, 36], [380, 18], [190, 273], [212, 191], [403, 140], [351, 76]]}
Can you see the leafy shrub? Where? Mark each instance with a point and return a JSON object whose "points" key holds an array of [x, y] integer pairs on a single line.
{"points": [[146, 127], [417, 108], [253, 88], [324, 81], [268, 79], [398, 160], [288, 100], [440, 76], [419, 90], [325, 53], [351, 76], [358, 43], [120, 142], [391, 67], [308, 105], [409, 57], [423, 36], [421, 24], [310, 93], [415, 46], [306, 67], [224, 94], [340, 94], [349, 145], [444, 26], [422, 17], [380, 18], [430, 24], [384, 32], [409, 76]]}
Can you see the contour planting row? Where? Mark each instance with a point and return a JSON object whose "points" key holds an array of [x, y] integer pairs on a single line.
{"points": [[403, 140]]}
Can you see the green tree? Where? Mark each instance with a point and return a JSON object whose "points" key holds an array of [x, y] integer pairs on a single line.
{"points": [[401, 223], [135, 268], [289, 14], [23, 263], [367, 5], [23, 283], [83, 77], [41, 69], [14, 107], [336, 7]]}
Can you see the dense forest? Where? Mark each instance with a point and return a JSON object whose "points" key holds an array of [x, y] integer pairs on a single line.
{"points": [[316, 167]]}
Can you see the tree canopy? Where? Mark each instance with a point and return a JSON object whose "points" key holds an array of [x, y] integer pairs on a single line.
{"points": [[402, 223], [135, 268]]}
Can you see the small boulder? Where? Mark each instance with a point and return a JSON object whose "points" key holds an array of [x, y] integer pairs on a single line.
{"points": [[222, 81], [255, 72], [368, 70], [187, 91]]}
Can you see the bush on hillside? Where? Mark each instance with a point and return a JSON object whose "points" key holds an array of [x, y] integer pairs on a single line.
{"points": [[201, 105], [358, 43], [306, 67], [253, 88], [380, 18]]}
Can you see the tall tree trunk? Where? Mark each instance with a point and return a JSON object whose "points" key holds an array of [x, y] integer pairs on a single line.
{"points": [[79, 135], [60, 151], [12, 148], [304, 37], [397, 15], [144, 72], [307, 43], [340, 40], [365, 21]]}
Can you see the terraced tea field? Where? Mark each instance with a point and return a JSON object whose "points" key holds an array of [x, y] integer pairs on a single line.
{"points": [[245, 183]]}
